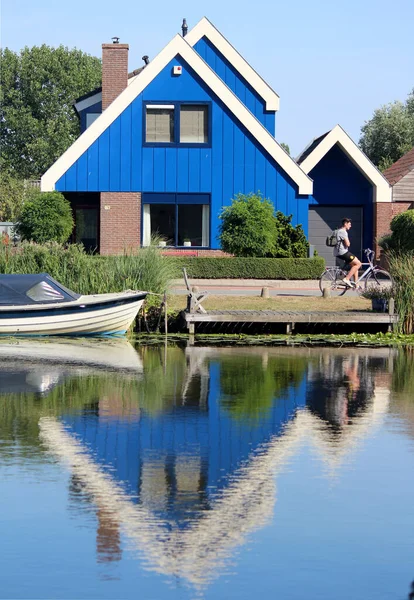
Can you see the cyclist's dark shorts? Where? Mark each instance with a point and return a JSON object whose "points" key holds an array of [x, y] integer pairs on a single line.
{"points": [[348, 257]]}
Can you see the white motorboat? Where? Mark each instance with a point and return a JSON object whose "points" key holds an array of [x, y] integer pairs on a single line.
{"points": [[39, 305]]}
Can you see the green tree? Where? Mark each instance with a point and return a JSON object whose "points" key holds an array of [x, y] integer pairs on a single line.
{"points": [[285, 147], [37, 90], [390, 133], [46, 217], [290, 241], [11, 196], [247, 226]]}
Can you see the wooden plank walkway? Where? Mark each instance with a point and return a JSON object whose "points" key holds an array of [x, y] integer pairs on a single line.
{"points": [[289, 318]]}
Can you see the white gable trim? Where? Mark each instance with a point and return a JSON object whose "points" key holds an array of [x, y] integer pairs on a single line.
{"points": [[206, 29], [382, 189], [88, 102], [177, 46]]}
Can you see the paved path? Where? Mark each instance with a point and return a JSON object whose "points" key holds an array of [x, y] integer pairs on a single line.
{"points": [[252, 287]]}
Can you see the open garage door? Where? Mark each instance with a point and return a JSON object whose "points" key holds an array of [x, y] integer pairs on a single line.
{"points": [[324, 219]]}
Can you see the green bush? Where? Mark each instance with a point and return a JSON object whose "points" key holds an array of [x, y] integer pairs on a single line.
{"points": [[250, 228], [247, 226], [46, 217], [252, 268], [401, 238]]}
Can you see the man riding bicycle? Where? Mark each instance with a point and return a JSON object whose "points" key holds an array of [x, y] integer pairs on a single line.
{"points": [[341, 251]]}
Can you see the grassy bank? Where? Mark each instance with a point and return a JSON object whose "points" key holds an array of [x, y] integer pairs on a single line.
{"points": [[305, 303]]}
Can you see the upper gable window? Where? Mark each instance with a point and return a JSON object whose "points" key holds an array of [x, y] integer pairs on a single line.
{"points": [[193, 124], [160, 123], [177, 124]]}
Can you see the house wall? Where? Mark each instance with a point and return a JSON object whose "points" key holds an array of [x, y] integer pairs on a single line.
{"points": [[337, 181], [119, 162], [236, 83], [403, 190], [95, 108]]}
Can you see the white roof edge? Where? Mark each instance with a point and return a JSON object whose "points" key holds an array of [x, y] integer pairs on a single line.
{"points": [[178, 45], [207, 29], [337, 135]]}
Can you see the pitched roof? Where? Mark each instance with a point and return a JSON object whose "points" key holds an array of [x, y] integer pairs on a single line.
{"points": [[98, 90], [400, 168], [311, 156], [310, 148], [206, 29], [178, 46]]}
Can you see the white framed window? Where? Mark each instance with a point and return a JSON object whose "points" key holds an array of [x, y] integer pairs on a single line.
{"points": [[159, 123], [194, 124], [90, 118]]}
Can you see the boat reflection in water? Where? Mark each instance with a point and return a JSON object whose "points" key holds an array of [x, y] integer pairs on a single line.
{"points": [[194, 472], [36, 367]]}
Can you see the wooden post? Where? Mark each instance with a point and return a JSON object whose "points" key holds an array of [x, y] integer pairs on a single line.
{"points": [[165, 314], [191, 328], [391, 312]]}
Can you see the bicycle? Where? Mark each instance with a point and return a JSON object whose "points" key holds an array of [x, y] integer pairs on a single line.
{"points": [[373, 278]]}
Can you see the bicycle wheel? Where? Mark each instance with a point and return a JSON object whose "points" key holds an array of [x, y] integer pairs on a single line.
{"points": [[379, 280], [330, 279]]}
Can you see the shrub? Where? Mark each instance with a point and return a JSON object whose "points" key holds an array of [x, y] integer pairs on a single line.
{"points": [[249, 228], [46, 217], [290, 241], [252, 268], [401, 238]]}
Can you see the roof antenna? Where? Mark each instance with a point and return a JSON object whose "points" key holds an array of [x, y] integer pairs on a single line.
{"points": [[145, 58], [115, 40], [184, 27]]}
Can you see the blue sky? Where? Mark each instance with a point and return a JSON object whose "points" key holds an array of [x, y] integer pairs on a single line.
{"points": [[329, 61]]}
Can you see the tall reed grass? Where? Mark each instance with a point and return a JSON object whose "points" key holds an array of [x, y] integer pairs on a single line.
{"points": [[401, 267], [145, 269]]}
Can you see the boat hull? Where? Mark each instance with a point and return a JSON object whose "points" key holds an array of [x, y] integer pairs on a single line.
{"points": [[108, 317]]}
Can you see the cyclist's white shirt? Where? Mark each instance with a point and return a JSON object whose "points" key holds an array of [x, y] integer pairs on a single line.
{"points": [[340, 247]]}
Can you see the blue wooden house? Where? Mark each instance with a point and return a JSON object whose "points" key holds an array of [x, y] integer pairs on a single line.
{"points": [[165, 147]]}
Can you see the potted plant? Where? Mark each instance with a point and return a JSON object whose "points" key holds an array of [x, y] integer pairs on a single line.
{"points": [[187, 242], [379, 298]]}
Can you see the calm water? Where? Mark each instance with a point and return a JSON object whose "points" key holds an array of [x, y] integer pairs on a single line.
{"points": [[178, 473]]}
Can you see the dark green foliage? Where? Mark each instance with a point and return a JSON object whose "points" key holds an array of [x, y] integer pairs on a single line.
{"points": [[249, 228], [11, 196], [402, 233], [37, 88], [252, 268], [46, 217], [290, 241]]}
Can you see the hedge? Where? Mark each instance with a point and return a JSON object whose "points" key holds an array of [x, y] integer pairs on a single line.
{"points": [[252, 268]]}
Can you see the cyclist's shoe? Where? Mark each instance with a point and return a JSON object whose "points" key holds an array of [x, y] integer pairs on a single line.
{"points": [[348, 283]]}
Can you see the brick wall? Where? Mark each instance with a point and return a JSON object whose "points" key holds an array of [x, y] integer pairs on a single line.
{"points": [[383, 214], [196, 252], [120, 222], [114, 71]]}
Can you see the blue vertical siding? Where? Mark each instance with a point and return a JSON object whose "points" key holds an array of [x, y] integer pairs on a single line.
{"points": [[236, 83], [337, 181], [235, 163]]}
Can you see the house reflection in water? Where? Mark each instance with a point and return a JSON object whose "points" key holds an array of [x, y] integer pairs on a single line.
{"points": [[189, 482]]}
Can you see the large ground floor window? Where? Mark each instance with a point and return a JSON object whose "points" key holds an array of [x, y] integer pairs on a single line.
{"points": [[179, 219]]}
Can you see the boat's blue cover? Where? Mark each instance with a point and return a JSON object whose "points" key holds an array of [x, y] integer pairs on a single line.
{"points": [[18, 290]]}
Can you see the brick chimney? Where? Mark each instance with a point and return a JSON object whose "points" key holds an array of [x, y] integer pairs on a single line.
{"points": [[114, 71]]}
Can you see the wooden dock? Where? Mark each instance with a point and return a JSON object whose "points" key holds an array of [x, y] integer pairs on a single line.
{"points": [[288, 318]]}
